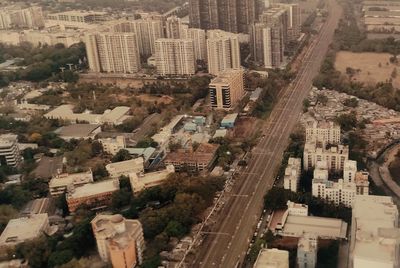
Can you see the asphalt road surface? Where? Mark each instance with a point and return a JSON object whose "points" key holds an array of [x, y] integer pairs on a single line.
{"points": [[226, 244]]}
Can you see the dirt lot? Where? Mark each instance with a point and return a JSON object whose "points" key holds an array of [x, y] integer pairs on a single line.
{"points": [[159, 99], [368, 65], [245, 127]]}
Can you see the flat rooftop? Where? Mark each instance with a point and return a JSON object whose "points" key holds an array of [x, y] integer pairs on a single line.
{"points": [[77, 130], [91, 189], [25, 228], [322, 227], [272, 258]]}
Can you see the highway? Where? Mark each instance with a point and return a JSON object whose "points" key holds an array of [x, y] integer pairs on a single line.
{"points": [[225, 245]]}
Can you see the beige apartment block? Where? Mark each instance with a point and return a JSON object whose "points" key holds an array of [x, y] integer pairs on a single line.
{"points": [[227, 89]]}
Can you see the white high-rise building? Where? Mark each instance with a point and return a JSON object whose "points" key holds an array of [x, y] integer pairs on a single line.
{"points": [[344, 190], [374, 233], [9, 151], [199, 42], [147, 31], [112, 52], [307, 249], [273, 47], [322, 132], [335, 156], [293, 16], [223, 51], [175, 57], [292, 174], [17, 17], [175, 29]]}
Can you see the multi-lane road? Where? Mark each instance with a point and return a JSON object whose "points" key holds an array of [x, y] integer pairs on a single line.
{"points": [[226, 245]]}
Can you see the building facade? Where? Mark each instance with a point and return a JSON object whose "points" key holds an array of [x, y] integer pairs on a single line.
{"points": [[307, 249], [119, 240], [16, 17], [113, 145], [124, 168], [292, 174], [60, 182], [223, 51], [199, 43], [175, 57], [335, 156], [227, 89], [112, 52], [9, 151], [322, 132]]}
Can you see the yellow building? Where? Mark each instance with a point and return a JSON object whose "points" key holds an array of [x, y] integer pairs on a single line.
{"points": [[227, 89]]}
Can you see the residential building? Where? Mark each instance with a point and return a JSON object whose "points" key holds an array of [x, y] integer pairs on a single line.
{"points": [[142, 181], [202, 159], [93, 195], [273, 47], [322, 132], [307, 249], [79, 16], [257, 41], [16, 17], [113, 145], [124, 168], [292, 174], [199, 43], [175, 29], [146, 30], [65, 112], [119, 241], [293, 20], [78, 131], [272, 258], [276, 17], [112, 52], [227, 89], [23, 229], [9, 151], [374, 232], [349, 171], [60, 182], [362, 183], [228, 15], [223, 51], [175, 57], [335, 156]]}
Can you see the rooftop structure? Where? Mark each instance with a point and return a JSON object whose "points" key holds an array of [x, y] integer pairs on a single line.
{"points": [[119, 240], [143, 181], [146, 153], [322, 132], [374, 232], [95, 195], [272, 258], [124, 168], [59, 183], [115, 116], [78, 131], [335, 156], [23, 229]]}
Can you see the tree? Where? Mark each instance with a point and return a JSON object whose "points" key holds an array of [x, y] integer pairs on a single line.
{"points": [[100, 172], [351, 102], [347, 121], [36, 251], [175, 229], [121, 198], [394, 73], [321, 98], [60, 257], [122, 155]]}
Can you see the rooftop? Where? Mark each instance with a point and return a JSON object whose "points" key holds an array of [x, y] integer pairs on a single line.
{"points": [[63, 180], [25, 228], [272, 258], [319, 226], [91, 189], [226, 76], [77, 130]]}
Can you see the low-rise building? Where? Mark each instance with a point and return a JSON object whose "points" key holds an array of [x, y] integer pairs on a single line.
{"points": [[60, 182], [119, 240], [24, 229], [374, 232], [143, 181], [94, 195], [229, 120], [297, 209], [65, 112], [124, 168], [193, 161], [9, 151], [272, 258], [113, 145], [78, 131], [307, 249], [335, 156], [292, 174]]}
